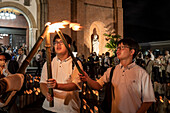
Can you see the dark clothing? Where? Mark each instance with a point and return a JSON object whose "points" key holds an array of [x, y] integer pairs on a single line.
{"points": [[90, 65], [3, 86], [13, 66], [141, 63]]}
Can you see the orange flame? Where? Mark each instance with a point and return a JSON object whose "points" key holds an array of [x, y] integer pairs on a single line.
{"points": [[36, 93], [96, 108], [66, 22], [56, 26], [75, 26], [38, 89], [84, 106], [91, 111], [84, 101]]}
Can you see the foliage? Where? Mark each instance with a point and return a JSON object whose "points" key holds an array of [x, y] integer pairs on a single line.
{"points": [[113, 40]]}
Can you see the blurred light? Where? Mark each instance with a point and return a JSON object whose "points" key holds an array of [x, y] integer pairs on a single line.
{"points": [[3, 35], [7, 15]]}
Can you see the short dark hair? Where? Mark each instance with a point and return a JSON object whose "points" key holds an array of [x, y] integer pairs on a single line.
{"points": [[68, 38], [132, 45], [107, 53], [149, 55]]}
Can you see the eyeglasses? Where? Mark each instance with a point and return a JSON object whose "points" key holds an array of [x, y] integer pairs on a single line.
{"points": [[58, 42], [122, 47]]}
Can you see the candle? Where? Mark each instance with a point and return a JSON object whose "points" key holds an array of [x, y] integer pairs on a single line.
{"points": [[96, 109]]}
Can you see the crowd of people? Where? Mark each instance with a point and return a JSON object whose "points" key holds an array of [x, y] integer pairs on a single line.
{"points": [[135, 75], [156, 65]]}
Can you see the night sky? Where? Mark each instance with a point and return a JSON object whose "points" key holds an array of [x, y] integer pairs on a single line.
{"points": [[147, 20]]}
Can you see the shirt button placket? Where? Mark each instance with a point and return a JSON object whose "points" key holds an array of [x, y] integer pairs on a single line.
{"points": [[123, 74]]}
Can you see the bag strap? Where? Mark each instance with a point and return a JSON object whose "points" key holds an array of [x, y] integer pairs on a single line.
{"points": [[148, 62], [111, 73]]}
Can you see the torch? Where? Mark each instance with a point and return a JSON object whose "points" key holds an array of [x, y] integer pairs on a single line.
{"points": [[49, 70], [72, 56], [70, 52], [75, 26], [7, 97]]}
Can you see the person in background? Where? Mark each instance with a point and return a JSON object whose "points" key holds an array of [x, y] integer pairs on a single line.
{"points": [[107, 61], [168, 68], [66, 81], [21, 56], [24, 48], [39, 61], [90, 66], [149, 67], [9, 51], [167, 55], [157, 68], [151, 53], [139, 60], [102, 64], [133, 91], [43, 55]]}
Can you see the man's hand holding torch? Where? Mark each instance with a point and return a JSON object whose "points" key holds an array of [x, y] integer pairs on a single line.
{"points": [[51, 83]]}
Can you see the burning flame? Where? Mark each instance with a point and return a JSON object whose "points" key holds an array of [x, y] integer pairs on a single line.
{"points": [[96, 108], [84, 101], [91, 111], [160, 98], [56, 26], [84, 107], [34, 89], [38, 89], [36, 93], [75, 26]]}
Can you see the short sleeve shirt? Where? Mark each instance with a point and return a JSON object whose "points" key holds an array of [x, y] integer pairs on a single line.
{"points": [[63, 72], [132, 87]]}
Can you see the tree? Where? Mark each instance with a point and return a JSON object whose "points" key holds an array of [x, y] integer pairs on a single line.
{"points": [[112, 44]]}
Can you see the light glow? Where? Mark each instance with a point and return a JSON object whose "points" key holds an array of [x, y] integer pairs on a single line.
{"points": [[55, 27], [59, 25], [75, 26]]}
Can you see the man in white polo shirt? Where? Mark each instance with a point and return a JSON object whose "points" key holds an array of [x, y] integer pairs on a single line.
{"points": [[133, 91], [66, 79]]}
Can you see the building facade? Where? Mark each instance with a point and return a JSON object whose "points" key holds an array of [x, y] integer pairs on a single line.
{"points": [[96, 18]]}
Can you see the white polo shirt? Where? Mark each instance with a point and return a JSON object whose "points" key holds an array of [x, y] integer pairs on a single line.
{"points": [[132, 87], [62, 72]]}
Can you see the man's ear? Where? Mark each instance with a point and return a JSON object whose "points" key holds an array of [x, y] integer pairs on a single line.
{"points": [[132, 51], [69, 45]]}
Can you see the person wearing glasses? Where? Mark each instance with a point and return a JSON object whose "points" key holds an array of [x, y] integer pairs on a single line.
{"points": [[133, 91], [66, 81]]}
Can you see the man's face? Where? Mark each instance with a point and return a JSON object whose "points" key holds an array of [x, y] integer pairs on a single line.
{"points": [[2, 61], [60, 47], [123, 52], [20, 51], [166, 52]]}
